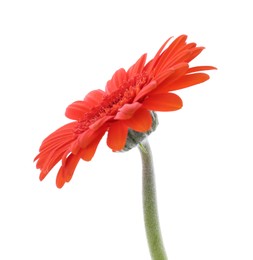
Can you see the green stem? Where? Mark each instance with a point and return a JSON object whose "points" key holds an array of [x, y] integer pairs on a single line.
{"points": [[151, 219]]}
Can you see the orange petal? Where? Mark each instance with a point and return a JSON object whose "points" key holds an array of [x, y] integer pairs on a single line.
{"points": [[178, 44], [61, 134], [77, 110], [88, 153], [86, 138], [163, 102], [89, 136], [190, 45], [100, 122], [93, 98], [146, 90], [70, 166], [188, 80], [200, 68], [141, 121], [137, 67], [49, 160], [117, 135], [181, 57], [60, 180], [127, 111], [164, 75], [196, 51], [74, 147], [43, 174], [117, 80], [179, 71], [173, 49], [152, 63]]}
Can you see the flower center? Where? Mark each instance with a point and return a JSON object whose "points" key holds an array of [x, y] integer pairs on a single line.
{"points": [[111, 103]]}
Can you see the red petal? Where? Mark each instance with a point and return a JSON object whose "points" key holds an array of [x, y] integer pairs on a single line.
{"points": [[141, 121], [179, 71], [152, 63], [48, 161], [195, 53], [94, 98], [181, 57], [146, 90], [89, 136], [164, 75], [119, 77], [178, 44], [127, 111], [62, 133], [77, 110], [53, 149], [75, 148], [168, 55], [187, 81], [100, 122], [70, 166], [200, 68], [86, 138], [60, 180], [163, 102], [88, 153], [190, 45], [137, 67], [67, 170], [117, 135]]}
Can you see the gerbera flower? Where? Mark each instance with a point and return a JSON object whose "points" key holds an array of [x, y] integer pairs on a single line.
{"points": [[126, 104]]}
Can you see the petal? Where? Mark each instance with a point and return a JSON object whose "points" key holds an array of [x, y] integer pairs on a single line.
{"points": [[200, 68], [117, 135], [195, 53], [77, 110], [67, 169], [60, 180], [75, 148], [164, 75], [86, 138], [89, 136], [119, 77], [188, 80], [127, 111], [146, 90], [141, 121], [45, 170], [179, 71], [100, 122], [51, 160], [62, 133], [181, 57], [94, 98], [168, 55], [53, 149], [137, 67], [178, 44], [151, 64], [190, 45], [88, 153], [163, 102], [70, 166]]}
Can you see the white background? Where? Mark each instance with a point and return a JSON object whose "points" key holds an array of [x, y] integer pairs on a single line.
{"points": [[53, 53]]}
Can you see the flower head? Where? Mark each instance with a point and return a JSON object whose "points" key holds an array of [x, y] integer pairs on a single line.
{"points": [[126, 104]]}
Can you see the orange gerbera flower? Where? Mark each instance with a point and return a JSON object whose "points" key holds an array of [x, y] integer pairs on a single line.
{"points": [[126, 103]]}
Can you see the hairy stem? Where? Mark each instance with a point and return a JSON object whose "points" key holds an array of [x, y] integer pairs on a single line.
{"points": [[151, 219]]}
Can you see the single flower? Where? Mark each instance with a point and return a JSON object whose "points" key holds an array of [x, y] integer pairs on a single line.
{"points": [[127, 103]]}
